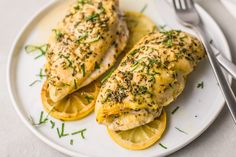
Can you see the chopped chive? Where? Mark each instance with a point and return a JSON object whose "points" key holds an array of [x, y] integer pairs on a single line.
{"points": [[75, 84], [58, 33], [163, 146], [81, 37], [173, 112], [33, 48], [95, 39], [81, 132], [163, 28], [133, 52], [97, 66], [181, 130], [52, 124], [144, 8], [34, 82], [58, 133], [92, 17], [61, 133], [89, 98], [68, 60], [31, 120], [200, 85], [71, 142], [108, 75], [83, 69], [41, 75]]}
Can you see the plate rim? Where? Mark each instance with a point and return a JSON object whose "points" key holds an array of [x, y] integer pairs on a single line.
{"points": [[58, 147]]}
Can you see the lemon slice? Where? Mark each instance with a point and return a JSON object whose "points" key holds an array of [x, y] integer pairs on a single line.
{"points": [[75, 106], [141, 137], [139, 25]]}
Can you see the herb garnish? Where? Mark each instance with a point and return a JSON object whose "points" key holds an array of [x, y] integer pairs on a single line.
{"points": [[75, 84], [83, 69], [33, 48], [181, 130], [52, 124], [42, 120], [58, 33], [95, 39], [41, 75], [108, 75], [92, 17], [97, 66], [81, 132], [173, 112], [200, 85], [34, 82], [163, 146], [71, 142], [89, 98], [61, 133], [144, 8], [81, 38]]}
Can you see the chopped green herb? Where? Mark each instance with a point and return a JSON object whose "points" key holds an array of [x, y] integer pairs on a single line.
{"points": [[81, 132], [173, 112], [181, 130], [144, 8], [58, 33], [75, 84], [42, 120], [34, 82], [89, 98], [92, 17], [31, 120], [41, 75], [52, 124], [83, 69], [61, 133], [200, 85], [163, 28], [108, 75], [133, 52], [33, 48], [95, 39], [163, 146], [82, 37], [71, 142], [68, 60], [97, 66]]}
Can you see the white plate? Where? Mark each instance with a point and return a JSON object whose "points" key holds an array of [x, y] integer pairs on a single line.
{"points": [[198, 107], [230, 5]]}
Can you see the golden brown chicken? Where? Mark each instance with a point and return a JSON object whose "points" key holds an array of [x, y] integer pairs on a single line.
{"points": [[150, 76], [84, 45]]}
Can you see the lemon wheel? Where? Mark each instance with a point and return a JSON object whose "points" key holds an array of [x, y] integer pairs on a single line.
{"points": [[75, 106], [141, 137], [139, 25]]}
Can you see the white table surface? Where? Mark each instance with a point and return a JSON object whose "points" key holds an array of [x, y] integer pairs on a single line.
{"points": [[16, 140]]}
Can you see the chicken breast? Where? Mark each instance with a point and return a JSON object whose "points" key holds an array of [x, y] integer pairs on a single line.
{"points": [[150, 76], [90, 31]]}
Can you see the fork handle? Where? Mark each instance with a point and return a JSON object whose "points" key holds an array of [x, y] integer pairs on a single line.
{"points": [[220, 77]]}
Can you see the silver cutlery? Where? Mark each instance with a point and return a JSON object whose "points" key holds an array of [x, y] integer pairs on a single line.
{"points": [[189, 17]]}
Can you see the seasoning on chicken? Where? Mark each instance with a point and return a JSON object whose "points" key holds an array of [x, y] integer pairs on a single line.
{"points": [[150, 76], [91, 31]]}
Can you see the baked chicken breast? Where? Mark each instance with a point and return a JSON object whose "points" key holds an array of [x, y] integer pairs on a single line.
{"points": [[149, 77], [84, 45]]}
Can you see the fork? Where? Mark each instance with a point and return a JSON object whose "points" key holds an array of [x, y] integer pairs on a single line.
{"points": [[189, 17]]}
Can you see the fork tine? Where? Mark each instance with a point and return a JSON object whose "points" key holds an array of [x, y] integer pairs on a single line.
{"points": [[190, 3], [174, 3], [180, 5]]}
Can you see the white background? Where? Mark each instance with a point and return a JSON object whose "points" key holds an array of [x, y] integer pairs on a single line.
{"points": [[16, 140]]}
